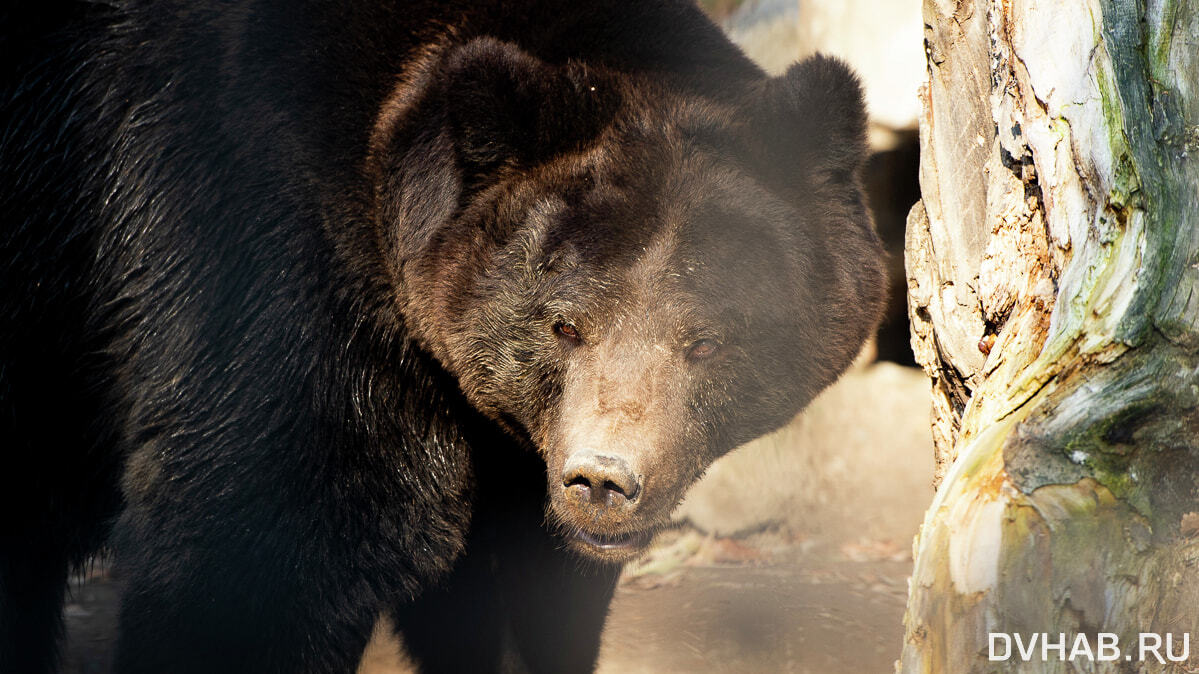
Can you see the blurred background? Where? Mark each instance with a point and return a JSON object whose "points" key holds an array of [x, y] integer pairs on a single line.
{"points": [[792, 554]]}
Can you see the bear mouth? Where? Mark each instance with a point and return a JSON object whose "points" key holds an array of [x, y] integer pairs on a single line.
{"points": [[613, 547]]}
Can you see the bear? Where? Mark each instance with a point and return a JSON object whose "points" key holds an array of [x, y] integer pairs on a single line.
{"points": [[317, 313]]}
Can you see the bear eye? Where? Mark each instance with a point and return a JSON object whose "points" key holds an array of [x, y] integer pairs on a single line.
{"points": [[701, 349], [568, 331]]}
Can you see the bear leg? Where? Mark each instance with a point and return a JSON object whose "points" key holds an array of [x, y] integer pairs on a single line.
{"points": [[33, 581], [223, 606], [517, 600]]}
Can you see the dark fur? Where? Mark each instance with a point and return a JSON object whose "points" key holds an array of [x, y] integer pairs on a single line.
{"points": [[267, 330]]}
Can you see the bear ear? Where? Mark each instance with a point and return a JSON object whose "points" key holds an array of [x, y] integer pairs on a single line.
{"points": [[507, 107], [815, 120]]}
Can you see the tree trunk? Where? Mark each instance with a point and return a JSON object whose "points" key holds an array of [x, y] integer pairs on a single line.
{"points": [[1053, 271]]}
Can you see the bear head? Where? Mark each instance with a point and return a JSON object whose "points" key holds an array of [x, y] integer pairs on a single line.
{"points": [[629, 277]]}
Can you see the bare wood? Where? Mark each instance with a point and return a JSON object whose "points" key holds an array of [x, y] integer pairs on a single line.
{"points": [[1054, 292]]}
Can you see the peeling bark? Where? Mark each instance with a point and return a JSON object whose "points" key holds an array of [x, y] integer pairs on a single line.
{"points": [[1053, 272]]}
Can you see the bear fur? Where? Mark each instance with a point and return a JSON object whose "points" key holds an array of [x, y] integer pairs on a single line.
{"points": [[316, 312]]}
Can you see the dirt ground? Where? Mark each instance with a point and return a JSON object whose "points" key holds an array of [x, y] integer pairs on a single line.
{"points": [[791, 607]]}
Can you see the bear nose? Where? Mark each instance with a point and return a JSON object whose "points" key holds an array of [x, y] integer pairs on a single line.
{"points": [[599, 480]]}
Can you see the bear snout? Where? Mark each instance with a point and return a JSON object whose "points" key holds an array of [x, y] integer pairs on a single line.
{"points": [[599, 485], [599, 502]]}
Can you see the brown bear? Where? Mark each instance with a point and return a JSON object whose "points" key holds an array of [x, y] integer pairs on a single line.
{"points": [[315, 313]]}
